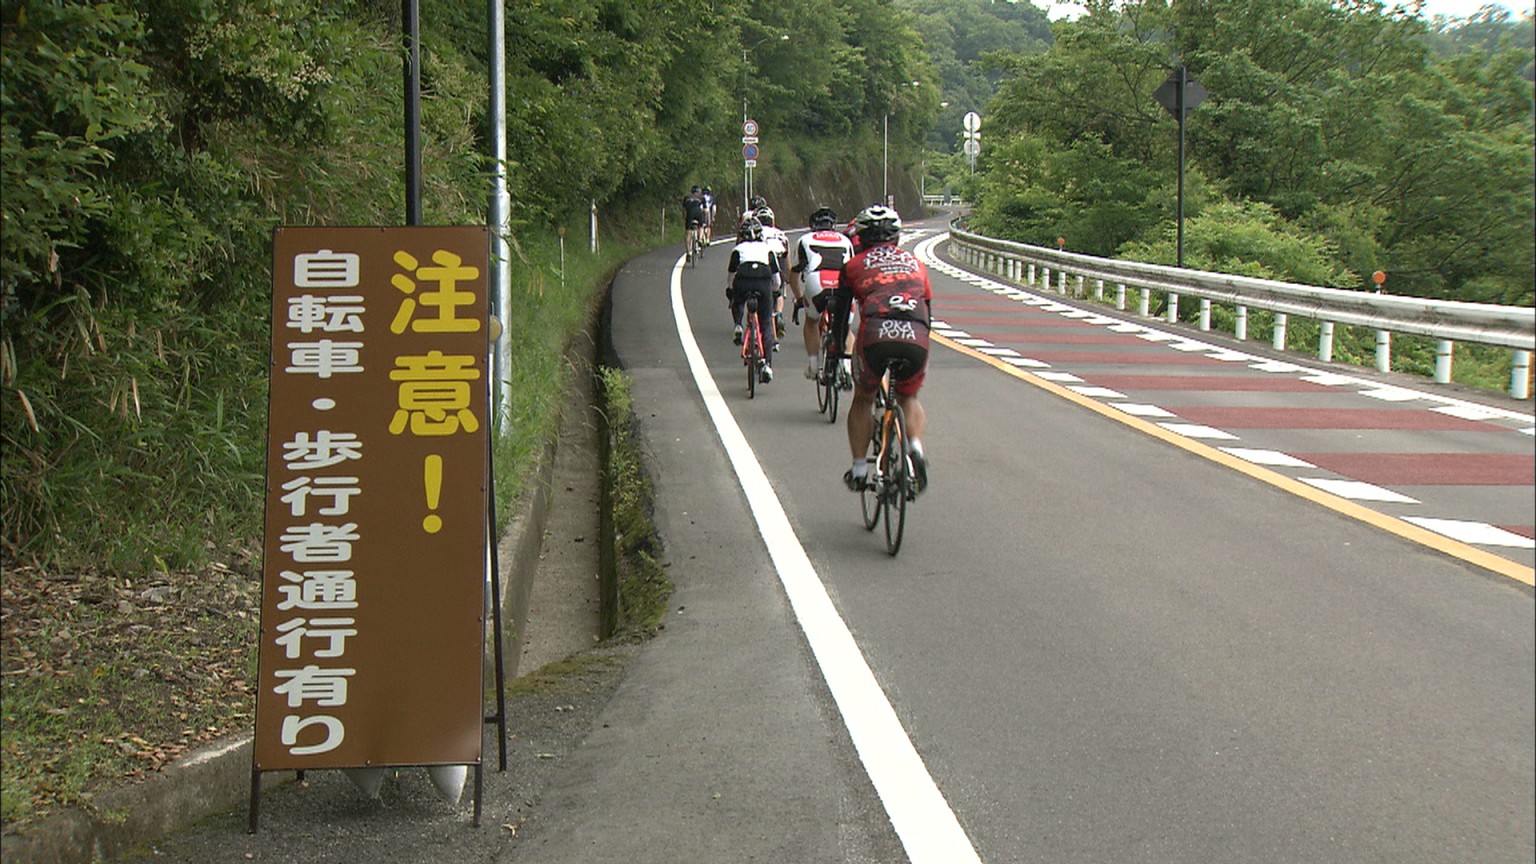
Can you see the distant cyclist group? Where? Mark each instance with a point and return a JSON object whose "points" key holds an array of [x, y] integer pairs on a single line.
{"points": [[868, 310]]}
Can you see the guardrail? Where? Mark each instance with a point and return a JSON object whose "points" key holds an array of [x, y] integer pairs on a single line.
{"points": [[1446, 321], [943, 201]]}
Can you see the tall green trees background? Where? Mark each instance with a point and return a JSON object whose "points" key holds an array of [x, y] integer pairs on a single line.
{"points": [[1383, 141], [150, 147]]}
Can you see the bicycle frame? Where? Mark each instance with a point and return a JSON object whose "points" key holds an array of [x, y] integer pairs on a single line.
{"points": [[752, 347], [889, 485]]}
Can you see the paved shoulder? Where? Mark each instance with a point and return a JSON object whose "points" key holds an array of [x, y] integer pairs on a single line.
{"points": [[721, 743]]}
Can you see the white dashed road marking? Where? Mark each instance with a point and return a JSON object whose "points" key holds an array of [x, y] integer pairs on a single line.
{"points": [[1469, 532]]}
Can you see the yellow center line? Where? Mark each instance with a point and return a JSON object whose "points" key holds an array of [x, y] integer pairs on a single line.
{"points": [[1406, 530]]}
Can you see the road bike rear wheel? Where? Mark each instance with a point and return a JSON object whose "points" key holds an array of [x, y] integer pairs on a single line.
{"points": [[822, 391], [752, 365], [826, 380], [870, 496], [898, 481], [753, 340], [832, 389]]}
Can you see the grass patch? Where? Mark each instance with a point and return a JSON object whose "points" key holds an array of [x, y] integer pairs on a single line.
{"points": [[563, 676], [643, 584]]}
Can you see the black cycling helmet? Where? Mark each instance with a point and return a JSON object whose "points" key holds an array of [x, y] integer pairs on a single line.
{"points": [[695, 190], [878, 224], [764, 215], [750, 230], [758, 202], [823, 217]]}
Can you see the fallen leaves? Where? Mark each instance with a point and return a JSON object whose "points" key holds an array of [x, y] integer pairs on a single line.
{"points": [[108, 679]]}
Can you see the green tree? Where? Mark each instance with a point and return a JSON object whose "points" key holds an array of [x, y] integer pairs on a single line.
{"points": [[1337, 116]]}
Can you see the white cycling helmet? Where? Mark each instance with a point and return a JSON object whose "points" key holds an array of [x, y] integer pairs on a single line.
{"points": [[877, 224]]}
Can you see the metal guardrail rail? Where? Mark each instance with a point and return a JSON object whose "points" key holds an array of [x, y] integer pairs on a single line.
{"points": [[1446, 321]]}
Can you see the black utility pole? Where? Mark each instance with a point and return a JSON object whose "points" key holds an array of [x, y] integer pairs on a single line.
{"points": [[1183, 74], [411, 25], [1180, 95]]}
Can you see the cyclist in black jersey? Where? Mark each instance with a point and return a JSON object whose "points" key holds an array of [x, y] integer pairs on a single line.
{"points": [[694, 209], [754, 271]]}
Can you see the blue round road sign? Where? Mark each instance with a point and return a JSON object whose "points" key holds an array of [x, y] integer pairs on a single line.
{"points": [[749, 151]]}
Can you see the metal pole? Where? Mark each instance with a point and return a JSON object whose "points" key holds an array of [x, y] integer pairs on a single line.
{"points": [[1179, 229], [885, 163], [410, 24], [500, 218], [746, 173]]}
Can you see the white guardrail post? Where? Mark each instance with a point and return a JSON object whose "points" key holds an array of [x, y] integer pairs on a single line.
{"points": [[1443, 349], [1446, 321]]}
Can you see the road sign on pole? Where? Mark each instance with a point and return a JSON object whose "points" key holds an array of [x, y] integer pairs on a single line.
{"points": [[749, 152], [749, 127]]}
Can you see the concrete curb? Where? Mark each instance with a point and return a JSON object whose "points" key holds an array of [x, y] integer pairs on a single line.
{"points": [[217, 777]]}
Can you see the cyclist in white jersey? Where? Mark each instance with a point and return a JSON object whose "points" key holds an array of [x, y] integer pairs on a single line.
{"points": [[779, 242], [818, 261]]}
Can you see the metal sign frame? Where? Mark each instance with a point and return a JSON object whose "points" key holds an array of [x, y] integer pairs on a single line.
{"points": [[378, 503]]}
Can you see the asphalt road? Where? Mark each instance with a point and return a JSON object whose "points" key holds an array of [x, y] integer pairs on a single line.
{"points": [[1105, 647]]}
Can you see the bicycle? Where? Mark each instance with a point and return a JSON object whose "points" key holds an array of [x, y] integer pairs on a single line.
{"points": [[889, 485], [695, 245], [829, 378], [752, 355]]}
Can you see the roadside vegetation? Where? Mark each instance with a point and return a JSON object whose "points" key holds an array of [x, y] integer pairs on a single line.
{"points": [[643, 586]]}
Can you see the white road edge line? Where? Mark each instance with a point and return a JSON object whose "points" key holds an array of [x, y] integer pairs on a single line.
{"points": [[927, 826]]}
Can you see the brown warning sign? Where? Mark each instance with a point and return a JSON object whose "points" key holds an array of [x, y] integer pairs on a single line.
{"points": [[377, 478]]}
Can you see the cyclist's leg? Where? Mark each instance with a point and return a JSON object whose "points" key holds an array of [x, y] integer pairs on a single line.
{"points": [[860, 422], [907, 388], [765, 318], [917, 418], [738, 300], [810, 331]]}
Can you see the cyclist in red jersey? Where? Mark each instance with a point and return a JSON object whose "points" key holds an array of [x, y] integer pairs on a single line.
{"points": [[894, 300]]}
